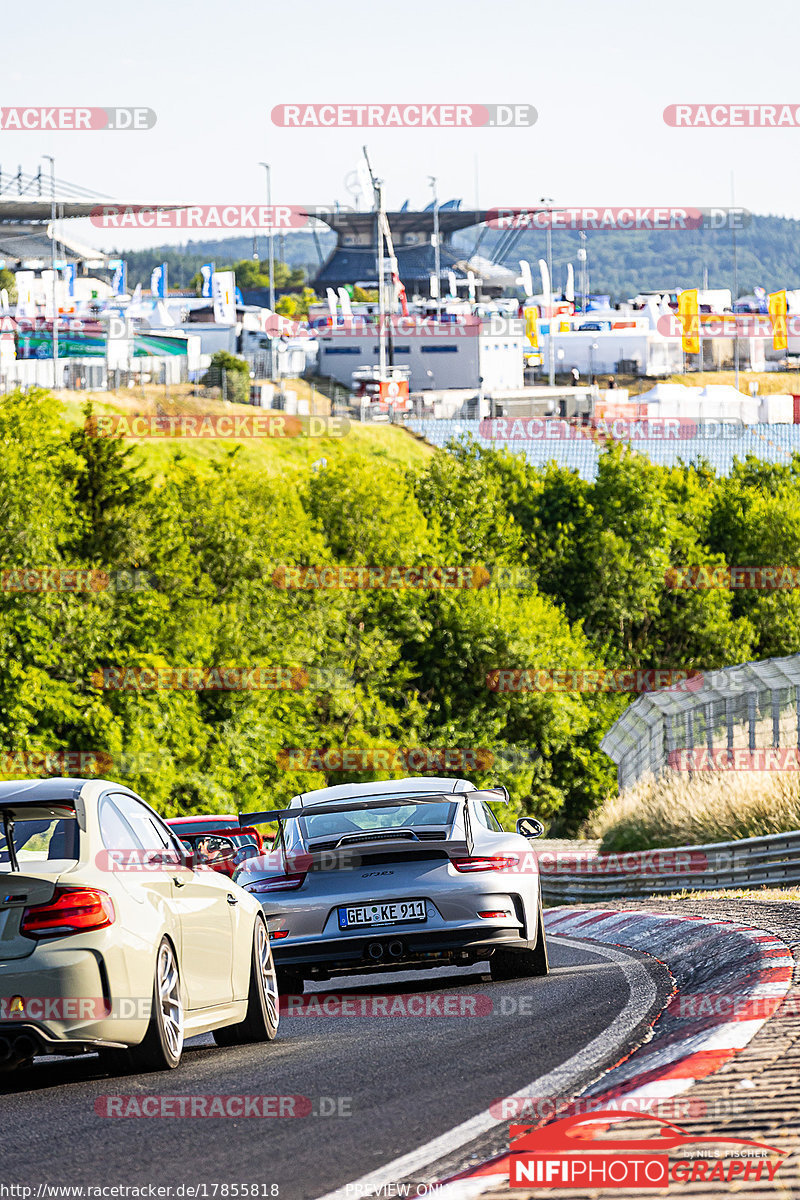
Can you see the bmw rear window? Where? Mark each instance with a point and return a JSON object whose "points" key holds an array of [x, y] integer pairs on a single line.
{"points": [[38, 835]]}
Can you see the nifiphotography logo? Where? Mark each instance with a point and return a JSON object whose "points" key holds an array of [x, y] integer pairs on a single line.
{"points": [[568, 1153]]}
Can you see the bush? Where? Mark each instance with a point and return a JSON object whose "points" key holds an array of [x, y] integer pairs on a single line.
{"points": [[231, 375]]}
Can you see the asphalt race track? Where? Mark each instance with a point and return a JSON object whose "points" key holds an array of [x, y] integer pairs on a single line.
{"points": [[390, 1084]]}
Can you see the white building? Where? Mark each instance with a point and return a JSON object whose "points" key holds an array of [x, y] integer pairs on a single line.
{"points": [[440, 355]]}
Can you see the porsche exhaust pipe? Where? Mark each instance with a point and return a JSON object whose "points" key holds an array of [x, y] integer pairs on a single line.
{"points": [[14, 1051], [375, 951], [24, 1047], [396, 949]]}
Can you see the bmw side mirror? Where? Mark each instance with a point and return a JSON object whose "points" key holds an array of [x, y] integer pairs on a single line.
{"points": [[529, 827]]}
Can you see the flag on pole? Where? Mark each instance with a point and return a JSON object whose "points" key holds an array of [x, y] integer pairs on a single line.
{"points": [[531, 328], [527, 278], [569, 291], [158, 282], [120, 281], [333, 305], [69, 276], [689, 317], [206, 272], [471, 286], [776, 305], [223, 293], [452, 286], [344, 300], [25, 303]]}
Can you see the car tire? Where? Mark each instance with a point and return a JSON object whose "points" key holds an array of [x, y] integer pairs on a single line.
{"points": [[162, 1046], [522, 964], [261, 1022]]}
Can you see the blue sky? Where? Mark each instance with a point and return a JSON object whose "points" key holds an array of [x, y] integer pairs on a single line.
{"points": [[599, 74]]}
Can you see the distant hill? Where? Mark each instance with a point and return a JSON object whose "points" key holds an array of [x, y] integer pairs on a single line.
{"points": [[184, 261], [620, 263]]}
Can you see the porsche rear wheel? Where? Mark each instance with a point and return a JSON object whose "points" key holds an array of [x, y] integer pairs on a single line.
{"points": [[522, 964]]}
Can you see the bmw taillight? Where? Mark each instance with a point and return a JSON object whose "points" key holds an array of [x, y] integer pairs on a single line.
{"points": [[71, 910], [494, 862], [277, 883]]}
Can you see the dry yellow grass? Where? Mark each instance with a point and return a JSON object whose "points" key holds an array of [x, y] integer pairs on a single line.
{"points": [[769, 382], [680, 810], [767, 895]]}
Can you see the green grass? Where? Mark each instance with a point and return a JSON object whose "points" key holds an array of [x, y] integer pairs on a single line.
{"points": [[273, 457]]}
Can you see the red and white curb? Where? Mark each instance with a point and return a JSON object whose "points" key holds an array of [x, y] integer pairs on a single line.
{"points": [[730, 979]]}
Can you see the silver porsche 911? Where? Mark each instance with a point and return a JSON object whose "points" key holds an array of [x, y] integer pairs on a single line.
{"points": [[404, 874]]}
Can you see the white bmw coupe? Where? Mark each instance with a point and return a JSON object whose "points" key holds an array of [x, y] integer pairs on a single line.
{"points": [[113, 938]]}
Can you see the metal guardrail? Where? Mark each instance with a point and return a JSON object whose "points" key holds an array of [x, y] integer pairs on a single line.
{"points": [[773, 860]]}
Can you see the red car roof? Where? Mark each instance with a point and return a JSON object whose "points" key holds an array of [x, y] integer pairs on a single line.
{"points": [[219, 819]]}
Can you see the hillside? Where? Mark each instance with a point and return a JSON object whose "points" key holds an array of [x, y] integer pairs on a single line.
{"points": [[621, 264], [272, 457]]}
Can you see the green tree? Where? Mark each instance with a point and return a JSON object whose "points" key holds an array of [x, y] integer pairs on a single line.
{"points": [[8, 280], [230, 374]]}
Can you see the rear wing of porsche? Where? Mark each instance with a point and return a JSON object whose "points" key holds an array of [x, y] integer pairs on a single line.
{"points": [[377, 801]]}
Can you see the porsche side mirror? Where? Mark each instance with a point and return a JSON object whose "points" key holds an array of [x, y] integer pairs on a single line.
{"points": [[529, 827]]}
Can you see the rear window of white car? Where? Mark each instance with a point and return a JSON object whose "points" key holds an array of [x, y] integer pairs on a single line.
{"points": [[38, 835]]}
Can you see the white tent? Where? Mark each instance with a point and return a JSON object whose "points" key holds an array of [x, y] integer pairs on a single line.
{"points": [[667, 391]]}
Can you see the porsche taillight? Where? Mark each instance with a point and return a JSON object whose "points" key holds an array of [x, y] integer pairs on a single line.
{"points": [[492, 862], [278, 883], [71, 910]]}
